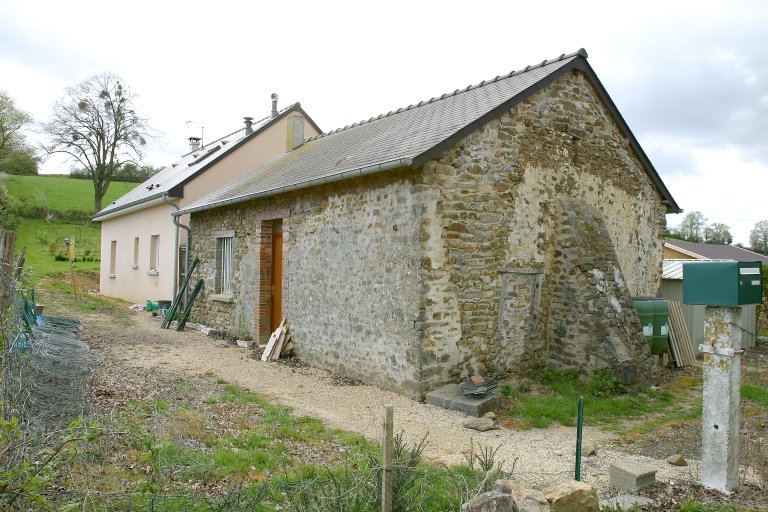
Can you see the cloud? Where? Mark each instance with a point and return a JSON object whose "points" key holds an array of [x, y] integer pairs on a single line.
{"points": [[726, 187]]}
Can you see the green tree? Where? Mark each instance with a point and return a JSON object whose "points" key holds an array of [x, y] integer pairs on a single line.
{"points": [[717, 233], [16, 157], [692, 227], [9, 207], [758, 237], [97, 125], [20, 162]]}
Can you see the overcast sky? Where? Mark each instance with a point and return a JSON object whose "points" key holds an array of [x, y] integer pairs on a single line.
{"points": [[690, 78]]}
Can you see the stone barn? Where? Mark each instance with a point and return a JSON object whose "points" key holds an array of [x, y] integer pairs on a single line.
{"points": [[499, 228]]}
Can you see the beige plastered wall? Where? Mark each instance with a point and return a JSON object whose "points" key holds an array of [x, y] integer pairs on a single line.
{"points": [[136, 285]]}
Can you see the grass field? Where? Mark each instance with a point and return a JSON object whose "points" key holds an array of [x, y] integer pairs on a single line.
{"points": [[45, 239], [61, 194]]}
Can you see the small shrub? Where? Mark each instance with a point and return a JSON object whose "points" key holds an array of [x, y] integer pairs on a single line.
{"points": [[53, 248], [603, 383], [60, 257]]}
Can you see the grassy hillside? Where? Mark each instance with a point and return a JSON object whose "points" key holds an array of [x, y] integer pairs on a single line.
{"points": [[60, 194], [44, 235]]}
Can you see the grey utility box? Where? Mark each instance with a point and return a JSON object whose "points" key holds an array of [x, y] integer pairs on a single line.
{"points": [[722, 283]]}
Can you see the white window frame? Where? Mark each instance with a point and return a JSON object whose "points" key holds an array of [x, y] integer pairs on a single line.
{"points": [[135, 253], [154, 255], [112, 258], [223, 265]]}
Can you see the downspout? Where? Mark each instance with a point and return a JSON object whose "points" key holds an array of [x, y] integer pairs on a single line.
{"points": [[178, 225]]}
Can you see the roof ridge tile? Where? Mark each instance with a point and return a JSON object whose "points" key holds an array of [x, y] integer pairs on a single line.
{"points": [[580, 53]]}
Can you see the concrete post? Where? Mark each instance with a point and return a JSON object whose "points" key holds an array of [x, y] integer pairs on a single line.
{"points": [[722, 383]]}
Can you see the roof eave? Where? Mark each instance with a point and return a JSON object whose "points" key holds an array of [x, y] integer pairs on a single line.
{"points": [[146, 202], [352, 173]]}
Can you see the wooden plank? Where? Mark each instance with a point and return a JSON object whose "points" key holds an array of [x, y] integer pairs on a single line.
{"points": [[674, 346], [677, 321], [279, 343], [679, 335], [267, 355], [688, 343]]}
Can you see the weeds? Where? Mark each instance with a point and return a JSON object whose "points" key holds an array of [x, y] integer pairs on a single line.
{"points": [[557, 393]]}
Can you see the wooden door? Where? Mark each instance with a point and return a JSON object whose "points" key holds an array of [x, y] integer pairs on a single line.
{"points": [[277, 276]]}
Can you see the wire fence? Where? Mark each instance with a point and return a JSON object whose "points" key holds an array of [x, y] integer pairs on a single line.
{"points": [[47, 368]]}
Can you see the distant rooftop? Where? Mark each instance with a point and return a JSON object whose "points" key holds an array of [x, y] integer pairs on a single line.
{"points": [[186, 167], [716, 251]]}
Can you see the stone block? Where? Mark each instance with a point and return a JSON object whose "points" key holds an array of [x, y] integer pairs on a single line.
{"points": [[631, 476], [451, 397], [573, 496]]}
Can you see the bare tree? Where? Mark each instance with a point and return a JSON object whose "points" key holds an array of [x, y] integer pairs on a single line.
{"points": [[717, 233], [96, 125], [692, 227], [758, 237]]}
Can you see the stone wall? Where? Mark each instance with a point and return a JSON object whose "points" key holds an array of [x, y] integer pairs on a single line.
{"points": [[351, 275], [492, 237]]}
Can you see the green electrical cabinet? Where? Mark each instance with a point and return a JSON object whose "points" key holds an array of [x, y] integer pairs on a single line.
{"points": [[722, 283], [654, 318]]}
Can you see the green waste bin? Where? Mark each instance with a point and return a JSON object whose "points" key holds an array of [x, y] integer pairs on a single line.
{"points": [[660, 327], [654, 318]]}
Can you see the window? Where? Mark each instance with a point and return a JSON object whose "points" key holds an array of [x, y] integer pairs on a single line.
{"points": [[112, 258], [154, 254], [223, 282], [136, 252]]}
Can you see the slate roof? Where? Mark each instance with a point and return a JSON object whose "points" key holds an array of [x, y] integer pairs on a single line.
{"points": [[189, 166], [409, 137], [716, 251]]}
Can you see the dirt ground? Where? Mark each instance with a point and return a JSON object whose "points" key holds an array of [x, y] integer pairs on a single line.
{"points": [[139, 356], [539, 456]]}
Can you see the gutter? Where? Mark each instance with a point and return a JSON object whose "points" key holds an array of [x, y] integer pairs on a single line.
{"points": [[178, 225], [130, 207], [353, 173]]}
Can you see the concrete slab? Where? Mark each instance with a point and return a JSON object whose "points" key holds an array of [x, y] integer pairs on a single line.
{"points": [[451, 397], [631, 476]]}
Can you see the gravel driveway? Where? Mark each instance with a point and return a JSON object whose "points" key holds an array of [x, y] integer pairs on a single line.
{"points": [[541, 456]]}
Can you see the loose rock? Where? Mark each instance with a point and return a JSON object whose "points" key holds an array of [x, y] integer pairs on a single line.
{"points": [[588, 448], [677, 460], [490, 502], [573, 496], [626, 502], [478, 380], [480, 424], [526, 500]]}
